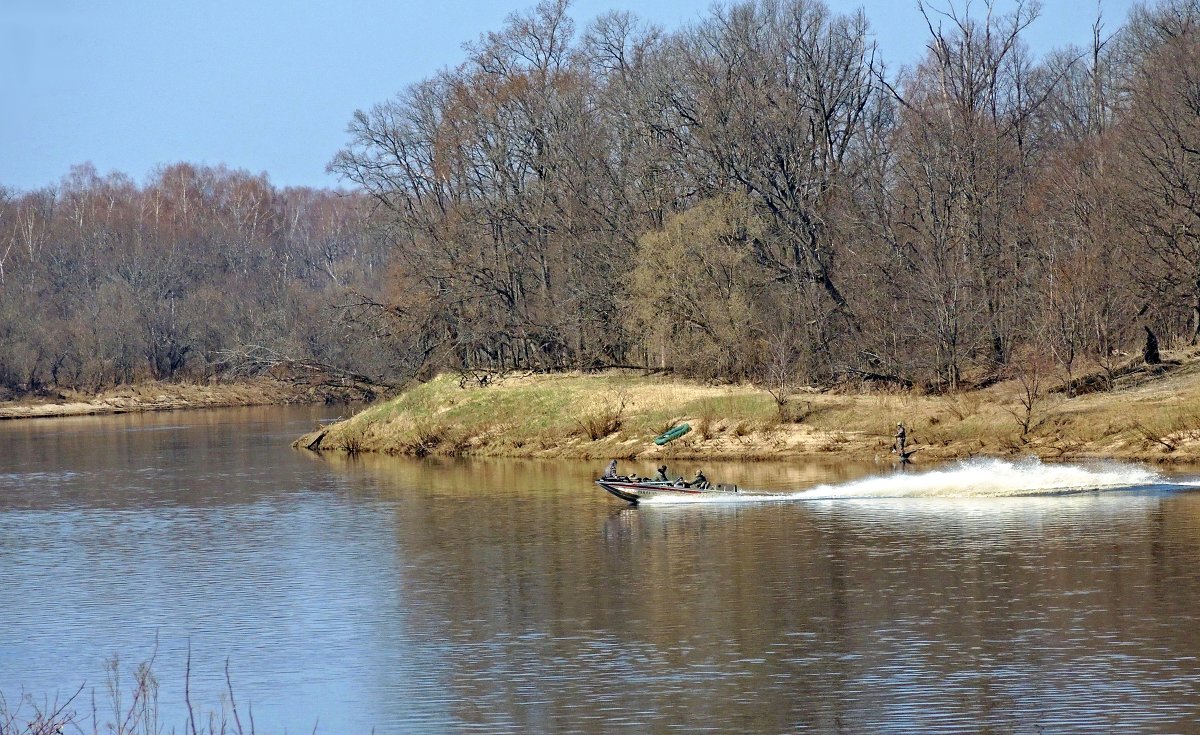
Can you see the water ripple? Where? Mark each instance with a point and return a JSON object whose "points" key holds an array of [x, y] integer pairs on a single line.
{"points": [[513, 598]]}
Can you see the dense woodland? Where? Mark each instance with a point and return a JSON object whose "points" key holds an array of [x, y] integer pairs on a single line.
{"points": [[754, 196], [200, 273]]}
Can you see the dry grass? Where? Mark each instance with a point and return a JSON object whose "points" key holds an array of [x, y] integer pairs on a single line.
{"points": [[618, 415], [128, 704]]}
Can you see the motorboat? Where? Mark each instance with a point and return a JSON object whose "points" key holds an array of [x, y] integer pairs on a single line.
{"points": [[636, 489]]}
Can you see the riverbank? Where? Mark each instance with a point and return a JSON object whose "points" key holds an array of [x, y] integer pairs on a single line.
{"points": [[162, 397], [1150, 415]]}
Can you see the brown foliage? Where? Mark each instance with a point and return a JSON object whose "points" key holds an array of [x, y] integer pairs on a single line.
{"points": [[749, 197]]}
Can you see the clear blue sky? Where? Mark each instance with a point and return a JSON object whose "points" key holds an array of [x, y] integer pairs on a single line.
{"points": [[269, 85]]}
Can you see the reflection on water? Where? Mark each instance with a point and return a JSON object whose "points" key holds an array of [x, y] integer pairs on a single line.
{"points": [[509, 596]]}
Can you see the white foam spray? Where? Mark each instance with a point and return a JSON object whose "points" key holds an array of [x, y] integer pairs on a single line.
{"points": [[974, 478]]}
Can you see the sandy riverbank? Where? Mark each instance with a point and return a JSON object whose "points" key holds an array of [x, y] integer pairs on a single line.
{"points": [[161, 397], [1150, 415]]}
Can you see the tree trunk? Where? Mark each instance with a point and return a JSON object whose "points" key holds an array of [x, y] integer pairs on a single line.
{"points": [[1150, 351]]}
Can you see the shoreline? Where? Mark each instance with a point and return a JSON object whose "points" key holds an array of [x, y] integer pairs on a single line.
{"points": [[1154, 418], [159, 396]]}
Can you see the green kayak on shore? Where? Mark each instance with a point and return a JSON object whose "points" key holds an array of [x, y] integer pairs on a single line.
{"points": [[672, 434]]}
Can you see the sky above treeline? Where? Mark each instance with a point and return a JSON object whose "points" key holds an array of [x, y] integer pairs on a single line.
{"points": [[270, 85]]}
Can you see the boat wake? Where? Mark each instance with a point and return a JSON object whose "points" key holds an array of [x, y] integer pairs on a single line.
{"points": [[974, 478]]}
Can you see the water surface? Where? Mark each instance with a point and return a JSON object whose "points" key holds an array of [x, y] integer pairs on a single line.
{"points": [[447, 596]]}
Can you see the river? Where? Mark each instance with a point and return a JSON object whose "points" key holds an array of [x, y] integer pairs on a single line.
{"points": [[346, 594]]}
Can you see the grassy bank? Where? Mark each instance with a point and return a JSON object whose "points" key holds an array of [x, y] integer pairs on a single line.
{"points": [[1148, 415]]}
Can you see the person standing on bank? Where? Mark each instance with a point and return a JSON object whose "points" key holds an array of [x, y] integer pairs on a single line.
{"points": [[901, 439]]}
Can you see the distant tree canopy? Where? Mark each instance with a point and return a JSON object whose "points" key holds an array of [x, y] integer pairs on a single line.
{"points": [[103, 282], [754, 196]]}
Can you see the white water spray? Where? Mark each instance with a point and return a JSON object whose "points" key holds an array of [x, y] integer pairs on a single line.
{"points": [[974, 478]]}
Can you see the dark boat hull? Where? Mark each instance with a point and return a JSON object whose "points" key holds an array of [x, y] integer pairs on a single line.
{"points": [[624, 491]]}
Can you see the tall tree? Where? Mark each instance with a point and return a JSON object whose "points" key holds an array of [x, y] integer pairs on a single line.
{"points": [[771, 98], [1162, 144], [966, 155]]}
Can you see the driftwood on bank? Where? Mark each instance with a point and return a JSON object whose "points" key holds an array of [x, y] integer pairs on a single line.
{"points": [[1127, 376], [257, 359], [874, 377]]}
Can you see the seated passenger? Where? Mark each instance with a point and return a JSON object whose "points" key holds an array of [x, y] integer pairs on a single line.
{"points": [[662, 474]]}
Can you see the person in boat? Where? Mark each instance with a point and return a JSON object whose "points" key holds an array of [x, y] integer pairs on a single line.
{"points": [[701, 481], [662, 475], [901, 439]]}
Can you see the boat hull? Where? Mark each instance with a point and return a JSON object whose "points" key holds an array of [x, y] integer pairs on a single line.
{"points": [[633, 492], [634, 489]]}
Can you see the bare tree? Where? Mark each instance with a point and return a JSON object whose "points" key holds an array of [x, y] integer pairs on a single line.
{"points": [[770, 99], [965, 157], [1162, 140]]}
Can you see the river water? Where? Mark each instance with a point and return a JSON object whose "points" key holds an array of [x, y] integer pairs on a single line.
{"points": [[351, 594]]}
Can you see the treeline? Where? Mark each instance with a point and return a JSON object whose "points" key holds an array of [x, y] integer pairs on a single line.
{"points": [[200, 272], [758, 196], [754, 196]]}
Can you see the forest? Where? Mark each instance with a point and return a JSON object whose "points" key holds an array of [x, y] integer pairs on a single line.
{"points": [[756, 196]]}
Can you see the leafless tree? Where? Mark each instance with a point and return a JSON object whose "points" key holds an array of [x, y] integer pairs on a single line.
{"points": [[1162, 144]]}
